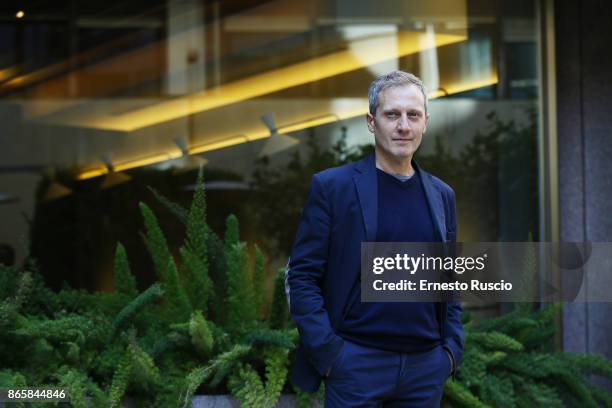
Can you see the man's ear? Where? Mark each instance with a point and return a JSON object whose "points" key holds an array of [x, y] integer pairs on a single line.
{"points": [[426, 123], [370, 120]]}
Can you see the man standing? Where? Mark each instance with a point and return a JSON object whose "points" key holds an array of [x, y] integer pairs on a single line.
{"points": [[373, 353]]}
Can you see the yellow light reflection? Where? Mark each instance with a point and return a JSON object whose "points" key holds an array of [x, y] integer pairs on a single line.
{"points": [[92, 173], [468, 86], [353, 113], [219, 145], [308, 124], [257, 134], [7, 73], [158, 158], [371, 51], [129, 164]]}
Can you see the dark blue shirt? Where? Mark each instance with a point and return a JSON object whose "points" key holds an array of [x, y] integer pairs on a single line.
{"points": [[403, 216]]}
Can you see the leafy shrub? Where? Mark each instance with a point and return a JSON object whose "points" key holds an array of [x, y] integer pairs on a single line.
{"points": [[160, 345], [509, 361], [204, 327]]}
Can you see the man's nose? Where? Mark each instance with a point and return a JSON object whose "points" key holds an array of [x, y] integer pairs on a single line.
{"points": [[403, 124]]}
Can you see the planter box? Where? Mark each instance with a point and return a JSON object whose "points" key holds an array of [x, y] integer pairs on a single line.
{"points": [[219, 401], [227, 401]]}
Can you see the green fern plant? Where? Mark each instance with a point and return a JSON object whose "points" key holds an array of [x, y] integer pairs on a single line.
{"points": [[142, 300], [196, 328], [125, 283], [203, 328], [279, 310], [248, 388], [240, 300], [503, 367], [259, 275], [201, 334], [220, 366], [156, 244]]}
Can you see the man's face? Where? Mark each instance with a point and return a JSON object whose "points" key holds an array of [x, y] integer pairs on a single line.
{"points": [[400, 121]]}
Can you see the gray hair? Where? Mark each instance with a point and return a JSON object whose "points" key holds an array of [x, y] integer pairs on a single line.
{"points": [[394, 78]]}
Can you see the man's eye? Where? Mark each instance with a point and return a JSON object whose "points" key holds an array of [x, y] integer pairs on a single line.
{"points": [[392, 115], [413, 114]]}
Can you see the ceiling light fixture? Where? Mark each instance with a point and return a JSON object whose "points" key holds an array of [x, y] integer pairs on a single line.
{"points": [[277, 142], [56, 190], [188, 161], [113, 178]]}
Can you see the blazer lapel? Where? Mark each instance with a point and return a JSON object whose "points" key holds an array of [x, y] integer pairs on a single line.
{"points": [[436, 205], [365, 182]]}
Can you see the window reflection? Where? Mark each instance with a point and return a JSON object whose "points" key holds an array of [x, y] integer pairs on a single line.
{"points": [[102, 99]]}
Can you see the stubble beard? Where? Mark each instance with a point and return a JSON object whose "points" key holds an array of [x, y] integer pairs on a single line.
{"points": [[397, 153]]}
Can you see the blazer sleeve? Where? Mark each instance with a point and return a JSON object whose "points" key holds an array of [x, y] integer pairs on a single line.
{"points": [[304, 276], [454, 339]]}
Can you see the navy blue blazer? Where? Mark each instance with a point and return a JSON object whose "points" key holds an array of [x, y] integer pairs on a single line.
{"points": [[324, 266]]}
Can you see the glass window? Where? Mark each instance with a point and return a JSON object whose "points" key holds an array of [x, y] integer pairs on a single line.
{"points": [[101, 101]]}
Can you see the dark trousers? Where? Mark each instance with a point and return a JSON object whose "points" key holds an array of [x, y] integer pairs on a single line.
{"points": [[367, 377]]}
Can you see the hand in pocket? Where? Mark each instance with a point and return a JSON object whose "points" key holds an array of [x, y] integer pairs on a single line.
{"points": [[447, 362], [336, 361]]}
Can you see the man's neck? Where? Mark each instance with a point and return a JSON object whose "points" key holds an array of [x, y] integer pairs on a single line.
{"points": [[401, 167]]}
